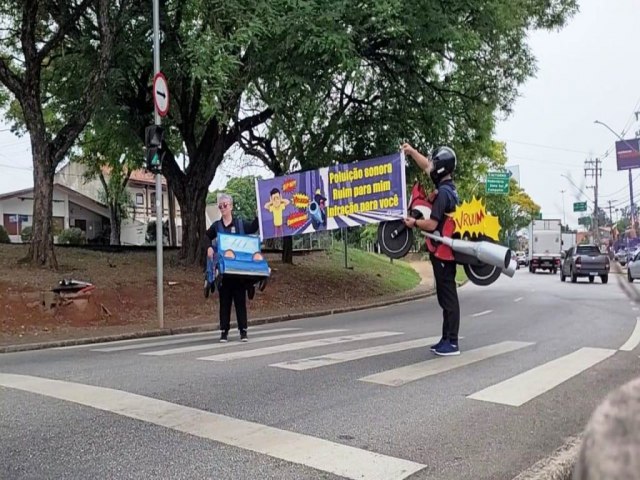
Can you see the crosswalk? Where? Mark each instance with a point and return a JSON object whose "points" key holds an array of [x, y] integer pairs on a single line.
{"points": [[513, 391]]}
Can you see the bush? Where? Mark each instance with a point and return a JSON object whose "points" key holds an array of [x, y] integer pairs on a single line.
{"points": [[4, 236], [26, 234], [72, 236]]}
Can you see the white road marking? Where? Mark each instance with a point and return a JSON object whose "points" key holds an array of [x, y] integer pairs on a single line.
{"points": [[179, 340], [141, 339], [324, 455], [214, 346], [417, 371], [347, 356], [522, 388], [480, 314], [289, 347], [634, 339], [635, 309], [519, 299]]}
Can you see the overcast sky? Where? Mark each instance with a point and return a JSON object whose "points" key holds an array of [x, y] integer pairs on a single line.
{"points": [[589, 70]]}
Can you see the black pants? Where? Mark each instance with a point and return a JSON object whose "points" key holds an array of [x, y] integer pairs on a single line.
{"points": [[445, 277], [233, 292]]}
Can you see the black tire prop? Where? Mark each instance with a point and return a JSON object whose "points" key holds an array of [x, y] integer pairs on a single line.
{"points": [[482, 258]]}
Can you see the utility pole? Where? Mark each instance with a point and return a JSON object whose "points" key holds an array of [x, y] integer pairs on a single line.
{"points": [[592, 169], [610, 212]]}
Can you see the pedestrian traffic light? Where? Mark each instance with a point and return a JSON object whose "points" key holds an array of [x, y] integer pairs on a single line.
{"points": [[153, 138]]}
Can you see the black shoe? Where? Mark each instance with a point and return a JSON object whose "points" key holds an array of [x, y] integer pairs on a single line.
{"points": [[223, 336], [243, 336], [251, 292]]}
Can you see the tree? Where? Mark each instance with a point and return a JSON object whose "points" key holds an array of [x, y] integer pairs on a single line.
{"points": [[43, 40], [515, 210], [243, 191], [332, 81], [111, 153]]}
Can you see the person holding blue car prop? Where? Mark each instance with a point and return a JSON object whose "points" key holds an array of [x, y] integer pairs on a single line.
{"points": [[227, 268]]}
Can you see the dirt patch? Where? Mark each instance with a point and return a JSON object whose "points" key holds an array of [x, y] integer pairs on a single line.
{"points": [[125, 296]]}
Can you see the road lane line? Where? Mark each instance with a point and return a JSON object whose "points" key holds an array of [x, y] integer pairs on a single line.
{"points": [[400, 376], [635, 309], [480, 314], [634, 339], [289, 347], [518, 390], [519, 299], [350, 355], [178, 341], [214, 346], [324, 455]]}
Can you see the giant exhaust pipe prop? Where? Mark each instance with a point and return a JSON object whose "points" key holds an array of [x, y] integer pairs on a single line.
{"points": [[486, 252]]}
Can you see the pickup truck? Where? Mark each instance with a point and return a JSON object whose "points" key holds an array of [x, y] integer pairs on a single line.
{"points": [[584, 261]]}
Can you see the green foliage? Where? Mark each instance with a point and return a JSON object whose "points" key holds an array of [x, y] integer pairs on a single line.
{"points": [[243, 192], [515, 210], [4, 236], [72, 236], [26, 234], [150, 235]]}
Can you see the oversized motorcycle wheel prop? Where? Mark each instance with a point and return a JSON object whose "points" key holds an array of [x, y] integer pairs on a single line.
{"points": [[481, 257]]}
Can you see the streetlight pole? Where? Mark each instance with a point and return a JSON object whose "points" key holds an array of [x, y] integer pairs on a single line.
{"points": [[564, 215]]}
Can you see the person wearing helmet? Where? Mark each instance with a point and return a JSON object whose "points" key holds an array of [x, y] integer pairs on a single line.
{"points": [[440, 166]]}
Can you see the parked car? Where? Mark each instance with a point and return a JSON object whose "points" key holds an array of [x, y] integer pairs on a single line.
{"points": [[584, 261], [633, 270]]}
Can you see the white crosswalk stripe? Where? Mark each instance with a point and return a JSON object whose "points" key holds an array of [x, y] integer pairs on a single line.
{"points": [[410, 373], [213, 346], [176, 341], [288, 347], [522, 388], [350, 355], [514, 391]]}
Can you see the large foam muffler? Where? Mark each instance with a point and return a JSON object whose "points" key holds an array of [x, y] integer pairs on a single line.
{"points": [[486, 252]]}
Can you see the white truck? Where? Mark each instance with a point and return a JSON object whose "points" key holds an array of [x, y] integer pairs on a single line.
{"points": [[545, 237], [569, 240]]}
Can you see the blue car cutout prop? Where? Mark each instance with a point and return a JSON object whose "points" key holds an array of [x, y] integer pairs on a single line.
{"points": [[237, 256]]}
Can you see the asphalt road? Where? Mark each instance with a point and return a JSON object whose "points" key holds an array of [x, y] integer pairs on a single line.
{"points": [[313, 399]]}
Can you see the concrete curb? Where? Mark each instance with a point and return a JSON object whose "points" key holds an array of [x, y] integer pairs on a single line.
{"points": [[558, 465], [210, 327]]}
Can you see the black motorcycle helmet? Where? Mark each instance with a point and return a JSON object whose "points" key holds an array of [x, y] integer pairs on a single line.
{"points": [[444, 163]]}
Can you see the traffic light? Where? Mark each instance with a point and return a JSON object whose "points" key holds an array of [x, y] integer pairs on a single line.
{"points": [[153, 137]]}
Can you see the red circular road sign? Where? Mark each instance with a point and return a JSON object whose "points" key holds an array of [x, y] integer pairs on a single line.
{"points": [[161, 94]]}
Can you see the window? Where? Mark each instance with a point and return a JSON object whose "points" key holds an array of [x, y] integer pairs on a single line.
{"points": [[139, 199], [153, 200], [58, 225], [591, 250]]}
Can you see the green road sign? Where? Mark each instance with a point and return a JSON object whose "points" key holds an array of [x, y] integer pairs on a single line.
{"points": [[580, 207], [538, 216], [498, 182]]}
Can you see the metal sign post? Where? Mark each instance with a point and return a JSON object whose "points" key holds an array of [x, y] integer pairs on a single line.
{"points": [[157, 95]]}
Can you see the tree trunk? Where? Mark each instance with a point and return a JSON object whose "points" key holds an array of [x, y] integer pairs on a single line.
{"points": [[194, 242], [41, 249], [115, 221], [287, 250], [172, 217]]}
